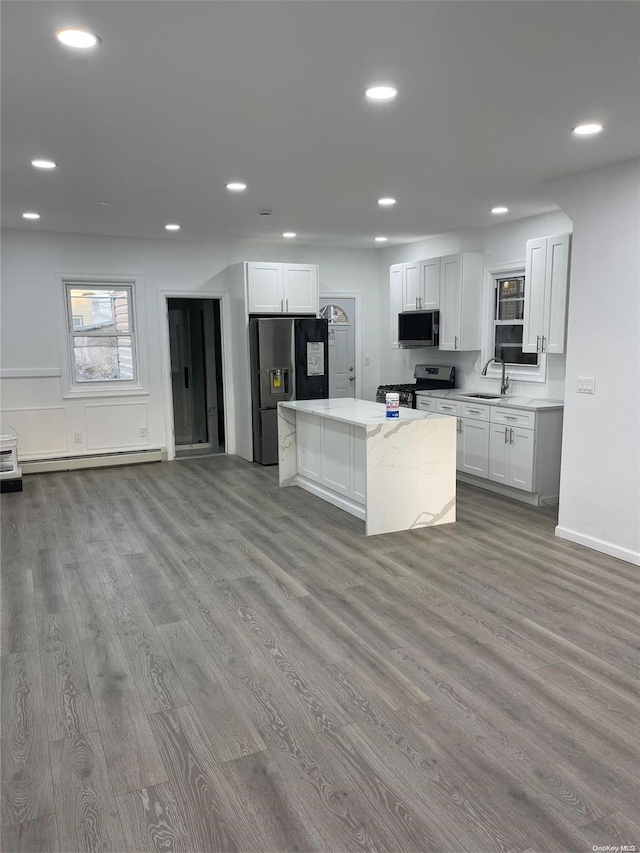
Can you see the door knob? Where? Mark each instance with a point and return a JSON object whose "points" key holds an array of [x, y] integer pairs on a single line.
{"points": [[352, 379]]}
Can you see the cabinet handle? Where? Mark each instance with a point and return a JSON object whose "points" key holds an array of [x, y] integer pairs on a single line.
{"points": [[287, 309], [538, 343], [510, 418], [506, 434], [455, 342], [474, 411], [282, 306], [510, 435], [544, 344]]}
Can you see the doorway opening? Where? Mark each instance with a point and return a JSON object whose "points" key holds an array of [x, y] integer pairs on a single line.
{"points": [[341, 312], [195, 346]]}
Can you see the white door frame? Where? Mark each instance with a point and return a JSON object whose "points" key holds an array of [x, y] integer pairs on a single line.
{"points": [[349, 294], [227, 376]]}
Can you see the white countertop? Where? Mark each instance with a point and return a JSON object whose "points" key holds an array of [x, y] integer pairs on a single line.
{"points": [[358, 412], [529, 403]]}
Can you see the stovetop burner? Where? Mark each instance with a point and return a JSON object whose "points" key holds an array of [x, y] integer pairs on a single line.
{"points": [[428, 378]]}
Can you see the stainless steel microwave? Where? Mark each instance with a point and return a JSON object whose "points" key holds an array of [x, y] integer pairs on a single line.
{"points": [[418, 328]]}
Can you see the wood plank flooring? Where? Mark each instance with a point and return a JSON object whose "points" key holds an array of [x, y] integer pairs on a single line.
{"points": [[195, 660]]}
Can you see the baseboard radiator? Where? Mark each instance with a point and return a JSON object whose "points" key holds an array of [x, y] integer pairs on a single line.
{"points": [[97, 460]]}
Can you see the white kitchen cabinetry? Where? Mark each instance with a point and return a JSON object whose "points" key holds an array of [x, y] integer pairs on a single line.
{"points": [[332, 454], [274, 288], [545, 305], [411, 286], [512, 456], [473, 447], [513, 451], [419, 283], [395, 298], [461, 301]]}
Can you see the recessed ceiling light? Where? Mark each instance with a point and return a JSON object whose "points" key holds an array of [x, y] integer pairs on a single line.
{"points": [[386, 202], [381, 93], [289, 234], [104, 203], [588, 129], [236, 186], [500, 209], [43, 164], [81, 39], [381, 239], [31, 216], [172, 226]]}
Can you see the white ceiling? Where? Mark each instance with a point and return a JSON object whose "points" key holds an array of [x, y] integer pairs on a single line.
{"points": [[182, 97]]}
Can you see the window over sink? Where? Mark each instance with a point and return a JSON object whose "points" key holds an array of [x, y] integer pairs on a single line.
{"points": [[505, 306]]}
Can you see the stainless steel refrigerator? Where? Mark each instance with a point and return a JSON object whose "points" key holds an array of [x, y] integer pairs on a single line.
{"points": [[289, 361]]}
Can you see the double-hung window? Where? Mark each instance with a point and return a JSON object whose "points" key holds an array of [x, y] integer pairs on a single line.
{"points": [[505, 307], [101, 333], [508, 322]]}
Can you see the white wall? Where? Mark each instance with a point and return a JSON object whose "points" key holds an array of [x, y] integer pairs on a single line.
{"points": [[46, 421], [504, 242], [600, 481]]}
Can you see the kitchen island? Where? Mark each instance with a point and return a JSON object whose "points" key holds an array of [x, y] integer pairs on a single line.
{"points": [[394, 474]]}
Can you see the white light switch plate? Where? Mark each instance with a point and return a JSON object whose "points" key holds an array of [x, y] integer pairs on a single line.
{"points": [[586, 385]]}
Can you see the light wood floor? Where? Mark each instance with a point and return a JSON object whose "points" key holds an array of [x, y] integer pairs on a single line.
{"points": [[196, 660]]}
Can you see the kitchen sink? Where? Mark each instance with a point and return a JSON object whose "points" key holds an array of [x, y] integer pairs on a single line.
{"points": [[482, 396]]}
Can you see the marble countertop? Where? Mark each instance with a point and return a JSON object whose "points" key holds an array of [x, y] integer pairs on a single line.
{"points": [[515, 402], [358, 412]]}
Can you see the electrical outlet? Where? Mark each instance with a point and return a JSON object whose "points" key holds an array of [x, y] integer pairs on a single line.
{"points": [[143, 432], [77, 438], [405, 361], [586, 385], [367, 361]]}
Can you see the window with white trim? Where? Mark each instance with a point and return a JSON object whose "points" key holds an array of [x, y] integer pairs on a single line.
{"points": [[101, 333], [508, 321], [504, 312]]}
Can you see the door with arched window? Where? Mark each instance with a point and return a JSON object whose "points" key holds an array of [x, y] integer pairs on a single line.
{"points": [[342, 364]]}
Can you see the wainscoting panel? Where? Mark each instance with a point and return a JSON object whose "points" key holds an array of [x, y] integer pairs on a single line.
{"points": [[114, 426], [41, 432]]}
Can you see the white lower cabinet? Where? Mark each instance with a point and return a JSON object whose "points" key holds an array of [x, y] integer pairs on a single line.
{"points": [[358, 465], [517, 449], [337, 456], [522, 442], [473, 447], [309, 431], [332, 454]]}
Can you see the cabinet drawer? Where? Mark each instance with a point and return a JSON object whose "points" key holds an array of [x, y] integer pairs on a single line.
{"points": [[513, 417], [448, 407], [475, 412], [425, 405]]}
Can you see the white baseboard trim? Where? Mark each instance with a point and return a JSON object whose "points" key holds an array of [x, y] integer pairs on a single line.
{"points": [[101, 460], [601, 545], [331, 497]]}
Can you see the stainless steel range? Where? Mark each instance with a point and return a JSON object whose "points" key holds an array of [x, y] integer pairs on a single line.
{"points": [[428, 378]]}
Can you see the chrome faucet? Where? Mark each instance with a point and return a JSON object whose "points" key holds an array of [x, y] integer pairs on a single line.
{"points": [[504, 384]]}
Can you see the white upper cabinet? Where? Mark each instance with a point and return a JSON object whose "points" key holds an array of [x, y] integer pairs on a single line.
{"points": [[265, 288], [420, 283], [411, 286], [461, 279], [547, 279], [430, 284], [300, 289], [395, 298], [274, 288], [452, 284], [450, 294]]}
